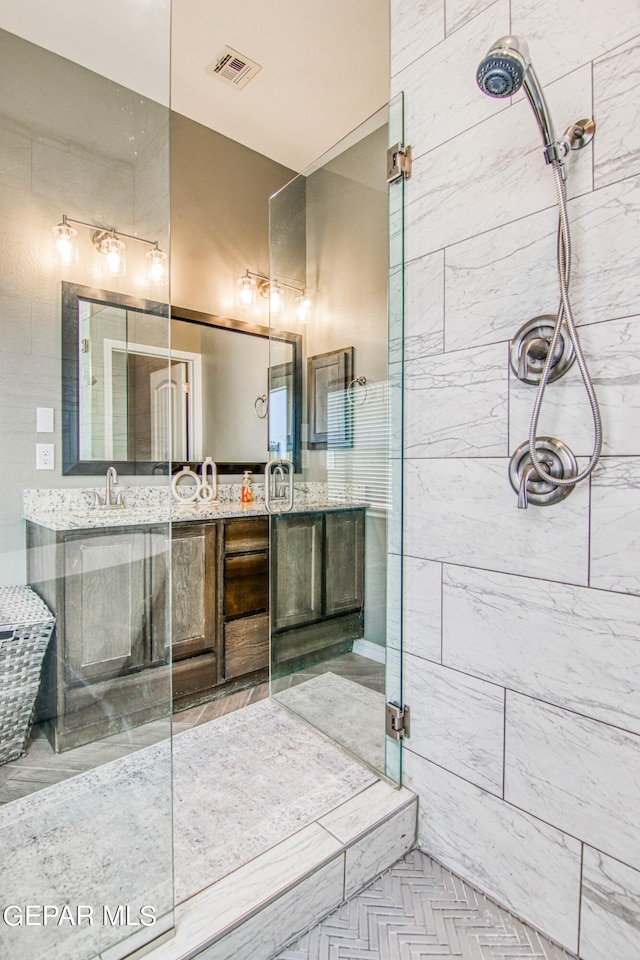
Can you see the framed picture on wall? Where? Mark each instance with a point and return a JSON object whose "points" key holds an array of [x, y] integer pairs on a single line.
{"points": [[329, 375]]}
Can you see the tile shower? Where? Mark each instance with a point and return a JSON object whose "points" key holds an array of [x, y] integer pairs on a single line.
{"points": [[521, 627]]}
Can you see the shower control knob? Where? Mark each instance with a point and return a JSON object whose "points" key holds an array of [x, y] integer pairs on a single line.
{"points": [[530, 346]]}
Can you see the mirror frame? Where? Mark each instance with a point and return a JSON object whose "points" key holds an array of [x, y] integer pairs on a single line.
{"points": [[71, 463]]}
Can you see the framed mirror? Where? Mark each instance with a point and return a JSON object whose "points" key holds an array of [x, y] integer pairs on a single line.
{"points": [[135, 401]]}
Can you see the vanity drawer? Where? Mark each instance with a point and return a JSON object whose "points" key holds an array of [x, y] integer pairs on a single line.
{"points": [[243, 536], [246, 584], [246, 645]]}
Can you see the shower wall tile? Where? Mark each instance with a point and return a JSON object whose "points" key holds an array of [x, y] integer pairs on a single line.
{"points": [[580, 775], [464, 511], [616, 92], [563, 36], [497, 281], [615, 525], [458, 12], [422, 608], [523, 863], [460, 725], [570, 646], [437, 107], [610, 918], [500, 174], [424, 306], [613, 357], [417, 27], [456, 404]]}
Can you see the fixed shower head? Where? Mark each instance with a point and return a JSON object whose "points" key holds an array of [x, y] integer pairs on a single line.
{"points": [[507, 67], [503, 70]]}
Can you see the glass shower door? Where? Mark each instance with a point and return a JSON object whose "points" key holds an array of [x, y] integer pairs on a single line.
{"points": [[335, 556]]}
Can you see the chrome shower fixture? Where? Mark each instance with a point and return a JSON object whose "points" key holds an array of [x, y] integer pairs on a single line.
{"points": [[506, 68]]}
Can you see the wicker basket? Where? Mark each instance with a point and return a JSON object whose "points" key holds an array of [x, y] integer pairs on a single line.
{"points": [[26, 626]]}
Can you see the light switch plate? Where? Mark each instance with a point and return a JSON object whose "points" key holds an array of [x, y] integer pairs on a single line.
{"points": [[44, 419], [45, 456]]}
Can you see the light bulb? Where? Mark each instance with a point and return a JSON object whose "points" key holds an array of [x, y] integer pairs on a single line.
{"points": [[64, 241], [303, 307], [113, 253], [275, 299], [158, 275], [246, 290]]}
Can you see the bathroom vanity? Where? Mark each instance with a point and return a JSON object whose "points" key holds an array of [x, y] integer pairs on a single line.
{"points": [[107, 585]]}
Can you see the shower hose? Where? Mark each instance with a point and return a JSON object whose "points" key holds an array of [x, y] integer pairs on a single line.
{"points": [[564, 312]]}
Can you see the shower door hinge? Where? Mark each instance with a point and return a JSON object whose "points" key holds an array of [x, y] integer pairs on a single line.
{"points": [[398, 721], [398, 163]]}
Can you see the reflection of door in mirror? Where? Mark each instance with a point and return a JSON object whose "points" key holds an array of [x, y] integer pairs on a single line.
{"points": [[169, 401]]}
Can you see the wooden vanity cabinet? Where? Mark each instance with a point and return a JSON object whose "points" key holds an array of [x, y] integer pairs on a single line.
{"points": [[245, 597]]}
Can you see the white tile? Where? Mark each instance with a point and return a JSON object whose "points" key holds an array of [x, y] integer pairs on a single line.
{"points": [[456, 404], [615, 525], [564, 36], [416, 27], [374, 853], [610, 923], [530, 867], [456, 721], [424, 306], [580, 775], [496, 282], [364, 811], [458, 12], [584, 658], [491, 174], [442, 96], [422, 591], [465, 511], [612, 353], [616, 93]]}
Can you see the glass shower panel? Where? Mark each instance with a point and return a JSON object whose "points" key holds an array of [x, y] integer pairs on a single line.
{"points": [[334, 584], [86, 867]]}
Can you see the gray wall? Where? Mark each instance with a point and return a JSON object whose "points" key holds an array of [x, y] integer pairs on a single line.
{"points": [[522, 634]]}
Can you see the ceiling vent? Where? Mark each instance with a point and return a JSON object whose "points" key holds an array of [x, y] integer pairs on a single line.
{"points": [[233, 67]]}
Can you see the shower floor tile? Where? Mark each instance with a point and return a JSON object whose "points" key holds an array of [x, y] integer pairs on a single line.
{"points": [[420, 909]]}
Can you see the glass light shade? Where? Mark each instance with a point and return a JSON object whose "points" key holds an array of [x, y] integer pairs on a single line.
{"points": [[158, 263], [275, 299], [113, 253], [246, 291], [303, 308], [64, 242]]}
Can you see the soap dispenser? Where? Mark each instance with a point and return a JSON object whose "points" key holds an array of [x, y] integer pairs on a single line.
{"points": [[247, 488]]}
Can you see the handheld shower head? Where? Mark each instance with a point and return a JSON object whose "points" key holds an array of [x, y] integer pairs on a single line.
{"points": [[507, 67]]}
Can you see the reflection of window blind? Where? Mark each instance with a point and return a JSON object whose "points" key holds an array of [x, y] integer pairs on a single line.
{"points": [[358, 465]]}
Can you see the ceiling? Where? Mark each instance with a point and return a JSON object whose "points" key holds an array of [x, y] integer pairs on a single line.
{"points": [[325, 66]]}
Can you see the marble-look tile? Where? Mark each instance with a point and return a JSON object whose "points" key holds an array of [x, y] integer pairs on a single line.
{"points": [[580, 775], [491, 174], [610, 921], [458, 12], [359, 814], [616, 95], [422, 596], [465, 511], [615, 525], [442, 97], [564, 36], [379, 849], [524, 864], [497, 281], [417, 27], [585, 659], [424, 306], [457, 721], [263, 934], [612, 352], [396, 313], [456, 404]]}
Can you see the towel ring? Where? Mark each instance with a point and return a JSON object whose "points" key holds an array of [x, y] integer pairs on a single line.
{"points": [[262, 406], [360, 382]]}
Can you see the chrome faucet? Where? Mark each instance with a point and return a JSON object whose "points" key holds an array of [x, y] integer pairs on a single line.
{"points": [[279, 483], [523, 492], [112, 480]]}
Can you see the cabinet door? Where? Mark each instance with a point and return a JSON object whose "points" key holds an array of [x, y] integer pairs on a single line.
{"points": [[296, 595], [193, 591], [246, 584], [344, 561], [105, 622]]}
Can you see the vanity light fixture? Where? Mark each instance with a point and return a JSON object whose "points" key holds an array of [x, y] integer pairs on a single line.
{"points": [[274, 292], [111, 247]]}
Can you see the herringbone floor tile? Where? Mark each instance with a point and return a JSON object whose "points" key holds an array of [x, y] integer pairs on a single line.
{"points": [[418, 910]]}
